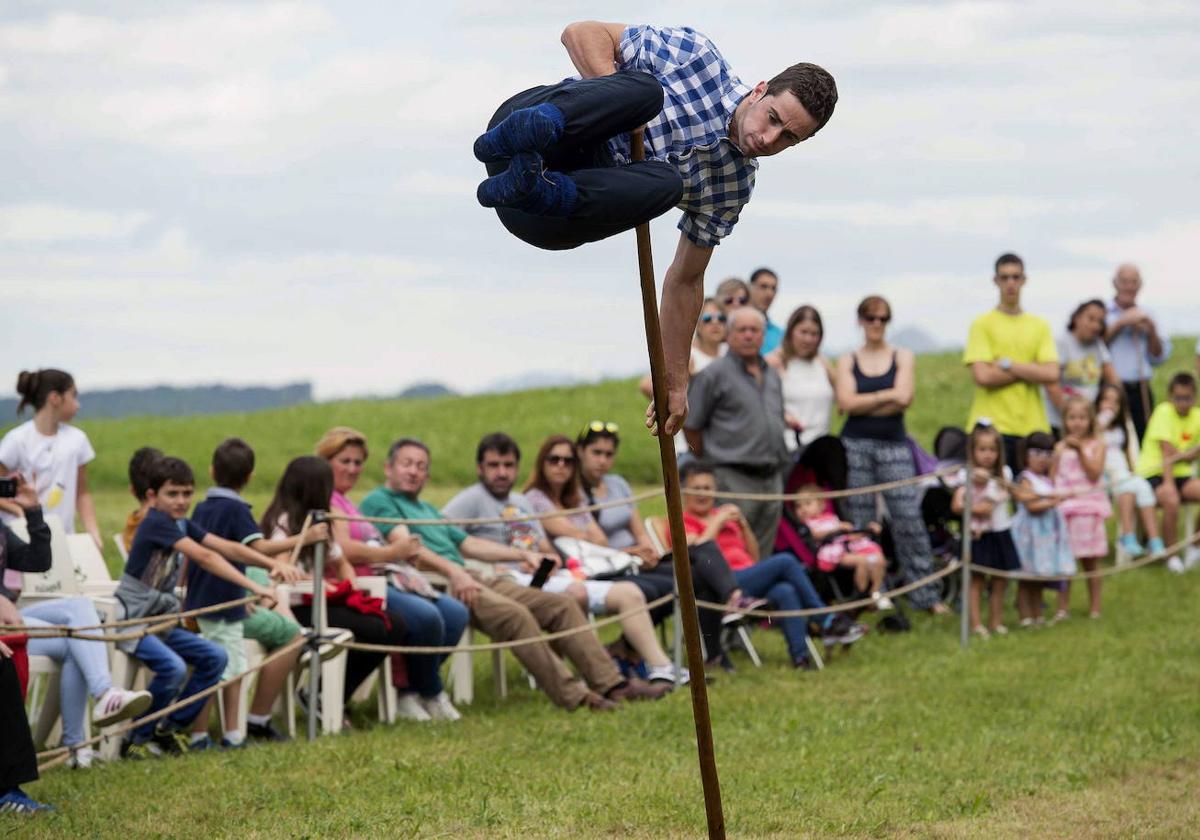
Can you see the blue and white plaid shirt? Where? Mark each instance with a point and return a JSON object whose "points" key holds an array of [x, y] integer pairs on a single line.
{"points": [[692, 132]]}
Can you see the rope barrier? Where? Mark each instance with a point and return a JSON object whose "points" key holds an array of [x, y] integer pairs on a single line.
{"points": [[131, 622], [920, 478], [59, 755], [1098, 573], [512, 643]]}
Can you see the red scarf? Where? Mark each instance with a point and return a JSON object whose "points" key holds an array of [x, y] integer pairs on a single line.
{"points": [[355, 599]]}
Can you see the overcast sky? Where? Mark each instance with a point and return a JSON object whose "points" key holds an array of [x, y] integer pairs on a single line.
{"points": [[269, 192]]}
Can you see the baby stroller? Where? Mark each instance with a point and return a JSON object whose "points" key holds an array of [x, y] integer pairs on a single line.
{"points": [[945, 526]]}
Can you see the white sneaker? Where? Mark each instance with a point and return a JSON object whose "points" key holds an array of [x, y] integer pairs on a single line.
{"points": [[666, 673], [440, 708], [1191, 557], [118, 704], [1176, 565], [82, 758], [882, 602], [409, 707]]}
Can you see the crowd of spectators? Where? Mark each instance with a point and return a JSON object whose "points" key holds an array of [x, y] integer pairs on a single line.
{"points": [[1056, 427]]}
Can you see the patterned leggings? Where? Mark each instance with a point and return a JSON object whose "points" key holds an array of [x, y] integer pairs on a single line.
{"points": [[877, 462]]}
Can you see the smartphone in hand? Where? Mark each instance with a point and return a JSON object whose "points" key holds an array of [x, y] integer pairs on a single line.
{"points": [[543, 573]]}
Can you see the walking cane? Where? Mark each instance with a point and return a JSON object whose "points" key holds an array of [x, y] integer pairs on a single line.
{"points": [[679, 554]]}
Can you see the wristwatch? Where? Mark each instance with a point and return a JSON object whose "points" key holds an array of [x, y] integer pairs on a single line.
{"points": [[1005, 364]]}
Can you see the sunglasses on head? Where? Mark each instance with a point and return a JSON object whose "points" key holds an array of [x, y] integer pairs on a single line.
{"points": [[561, 460], [709, 317], [740, 300], [599, 426]]}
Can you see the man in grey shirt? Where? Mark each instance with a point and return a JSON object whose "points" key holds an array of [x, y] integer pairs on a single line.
{"points": [[735, 422]]}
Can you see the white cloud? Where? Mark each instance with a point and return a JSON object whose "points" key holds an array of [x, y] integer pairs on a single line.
{"points": [[37, 223]]}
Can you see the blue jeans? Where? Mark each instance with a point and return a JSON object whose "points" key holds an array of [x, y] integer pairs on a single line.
{"points": [[435, 623], [169, 660], [782, 580]]}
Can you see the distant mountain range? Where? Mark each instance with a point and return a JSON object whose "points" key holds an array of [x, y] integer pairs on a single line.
{"points": [[169, 401]]}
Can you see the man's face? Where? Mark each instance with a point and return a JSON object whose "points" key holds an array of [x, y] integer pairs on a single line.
{"points": [[497, 473], [765, 125], [1183, 398], [172, 499], [1010, 279], [763, 289], [408, 470], [1127, 284], [745, 335]]}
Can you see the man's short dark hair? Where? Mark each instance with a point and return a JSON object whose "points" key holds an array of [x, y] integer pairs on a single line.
{"points": [[1183, 379], [813, 86], [140, 467], [762, 270], [1009, 259], [168, 468], [695, 467], [232, 463], [403, 442], [499, 443]]}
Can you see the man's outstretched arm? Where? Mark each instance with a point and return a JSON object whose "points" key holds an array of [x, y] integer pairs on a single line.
{"points": [[682, 297], [593, 46]]}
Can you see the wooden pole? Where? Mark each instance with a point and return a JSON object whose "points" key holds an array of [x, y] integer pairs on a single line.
{"points": [[683, 568]]}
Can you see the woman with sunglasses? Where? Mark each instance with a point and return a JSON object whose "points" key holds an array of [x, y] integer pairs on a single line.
{"points": [[732, 293], [874, 386], [554, 485], [807, 379]]}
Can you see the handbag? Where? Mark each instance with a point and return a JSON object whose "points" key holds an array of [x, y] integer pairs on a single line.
{"points": [[596, 562]]}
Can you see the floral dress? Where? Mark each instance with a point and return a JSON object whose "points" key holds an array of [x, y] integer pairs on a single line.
{"points": [[1041, 538]]}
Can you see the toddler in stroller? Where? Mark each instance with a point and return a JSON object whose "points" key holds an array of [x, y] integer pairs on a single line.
{"points": [[839, 544]]}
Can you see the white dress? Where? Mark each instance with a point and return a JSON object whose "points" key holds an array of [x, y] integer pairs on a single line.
{"points": [[807, 396]]}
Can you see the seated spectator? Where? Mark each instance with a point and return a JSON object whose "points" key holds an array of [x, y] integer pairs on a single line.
{"points": [[780, 578], [306, 485], [165, 537], [84, 662], [227, 515], [18, 759], [497, 460], [840, 544], [708, 344], [1084, 360], [140, 466], [875, 386], [807, 378], [1130, 492], [500, 606], [427, 613], [1167, 460], [596, 447]]}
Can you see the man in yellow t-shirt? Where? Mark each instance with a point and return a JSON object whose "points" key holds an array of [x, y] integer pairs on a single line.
{"points": [[1012, 355], [1173, 440]]}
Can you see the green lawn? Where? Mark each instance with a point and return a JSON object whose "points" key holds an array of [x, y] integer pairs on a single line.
{"points": [[1089, 728]]}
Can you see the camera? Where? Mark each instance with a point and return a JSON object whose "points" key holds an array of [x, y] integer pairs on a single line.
{"points": [[8, 487]]}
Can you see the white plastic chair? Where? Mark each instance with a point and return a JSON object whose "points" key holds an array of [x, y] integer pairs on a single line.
{"points": [[119, 541]]}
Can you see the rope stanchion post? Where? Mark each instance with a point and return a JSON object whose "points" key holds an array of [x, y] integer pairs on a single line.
{"points": [[314, 660], [683, 572], [965, 587]]}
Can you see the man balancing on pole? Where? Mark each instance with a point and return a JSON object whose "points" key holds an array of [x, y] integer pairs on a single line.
{"points": [[558, 156]]}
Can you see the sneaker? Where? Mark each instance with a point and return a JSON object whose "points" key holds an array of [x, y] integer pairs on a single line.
{"points": [[226, 744], [82, 758], [632, 690], [264, 732], [527, 186], [408, 707], [882, 602], [440, 707], [1131, 546], [117, 704], [1175, 564], [843, 631], [743, 603], [1191, 557], [1157, 546], [803, 663], [981, 632], [1000, 630], [1061, 615], [203, 745], [139, 751], [666, 673], [1025, 623], [594, 702], [524, 130], [15, 801]]}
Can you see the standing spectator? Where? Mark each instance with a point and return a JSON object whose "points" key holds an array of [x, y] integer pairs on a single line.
{"points": [[1136, 346], [875, 387], [1168, 456], [1011, 354], [736, 422], [1085, 360], [764, 285], [708, 343], [807, 378], [732, 293]]}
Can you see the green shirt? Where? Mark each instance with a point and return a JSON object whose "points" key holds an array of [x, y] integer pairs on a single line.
{"points": [[1166, 426], [443, 540]]}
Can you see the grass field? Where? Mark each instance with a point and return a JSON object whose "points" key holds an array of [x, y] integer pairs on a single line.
{"points": [[1085, 729]]}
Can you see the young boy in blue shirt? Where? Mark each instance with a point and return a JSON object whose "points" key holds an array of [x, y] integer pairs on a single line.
{"points": [[227, 515], [146, 589]]}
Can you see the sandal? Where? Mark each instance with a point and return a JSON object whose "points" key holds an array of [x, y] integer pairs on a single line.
{"points": [[981, 631]]}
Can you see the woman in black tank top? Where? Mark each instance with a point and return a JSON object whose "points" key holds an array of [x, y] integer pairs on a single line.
{"points": [[874, 387]]}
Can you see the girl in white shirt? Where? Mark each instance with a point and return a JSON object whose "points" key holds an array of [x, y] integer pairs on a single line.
{"points": [[807, 378], [50, 453]]}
